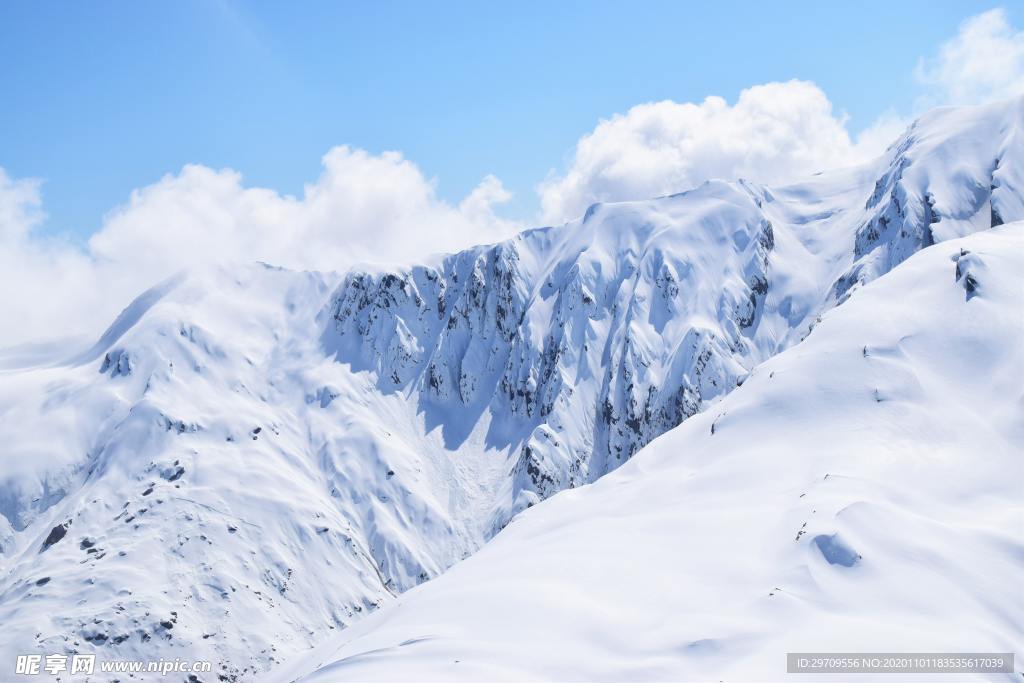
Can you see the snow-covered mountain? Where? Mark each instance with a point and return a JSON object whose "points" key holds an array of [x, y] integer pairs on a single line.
{"points": [[585, 342], [859, 493], [251, 459]]}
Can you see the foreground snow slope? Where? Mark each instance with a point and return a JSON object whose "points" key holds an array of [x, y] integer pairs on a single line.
{"points": [[859, 492]]}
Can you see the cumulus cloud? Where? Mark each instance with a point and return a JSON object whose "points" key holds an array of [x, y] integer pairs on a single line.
{"points": [[363, 207], [983, 62], [35, 273], [20, 207], [776, 132]]}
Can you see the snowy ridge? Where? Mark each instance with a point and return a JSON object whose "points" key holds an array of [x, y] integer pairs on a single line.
{"points": [[603, 334], [859, 493], [252, 459]]}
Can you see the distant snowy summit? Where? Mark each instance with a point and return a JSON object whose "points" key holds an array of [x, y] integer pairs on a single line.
{"points": [[299, 448]]}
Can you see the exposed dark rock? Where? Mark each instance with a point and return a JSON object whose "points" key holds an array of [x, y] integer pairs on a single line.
{"points": [[117, 363], [56, 534]]}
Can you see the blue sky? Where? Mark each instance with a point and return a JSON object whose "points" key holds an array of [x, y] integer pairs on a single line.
{"points": [[104, 97]]}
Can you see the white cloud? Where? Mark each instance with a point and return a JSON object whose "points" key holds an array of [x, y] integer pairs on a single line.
{"points": [[363, 207], [478, 206], [775, 133], [983, 62], [20, 207], [37, 276]]}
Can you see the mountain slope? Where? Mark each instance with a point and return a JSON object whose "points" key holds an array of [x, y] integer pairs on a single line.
{"points": [[859, 492], [252, 459], [189, 486]]}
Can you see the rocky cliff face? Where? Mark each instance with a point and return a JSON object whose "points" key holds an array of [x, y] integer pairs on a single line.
{"points": [[589, 340], [580, 343]]}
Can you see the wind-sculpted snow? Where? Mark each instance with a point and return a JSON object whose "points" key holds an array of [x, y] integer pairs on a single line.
{"points": [[859, 493], [252, 459]]}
